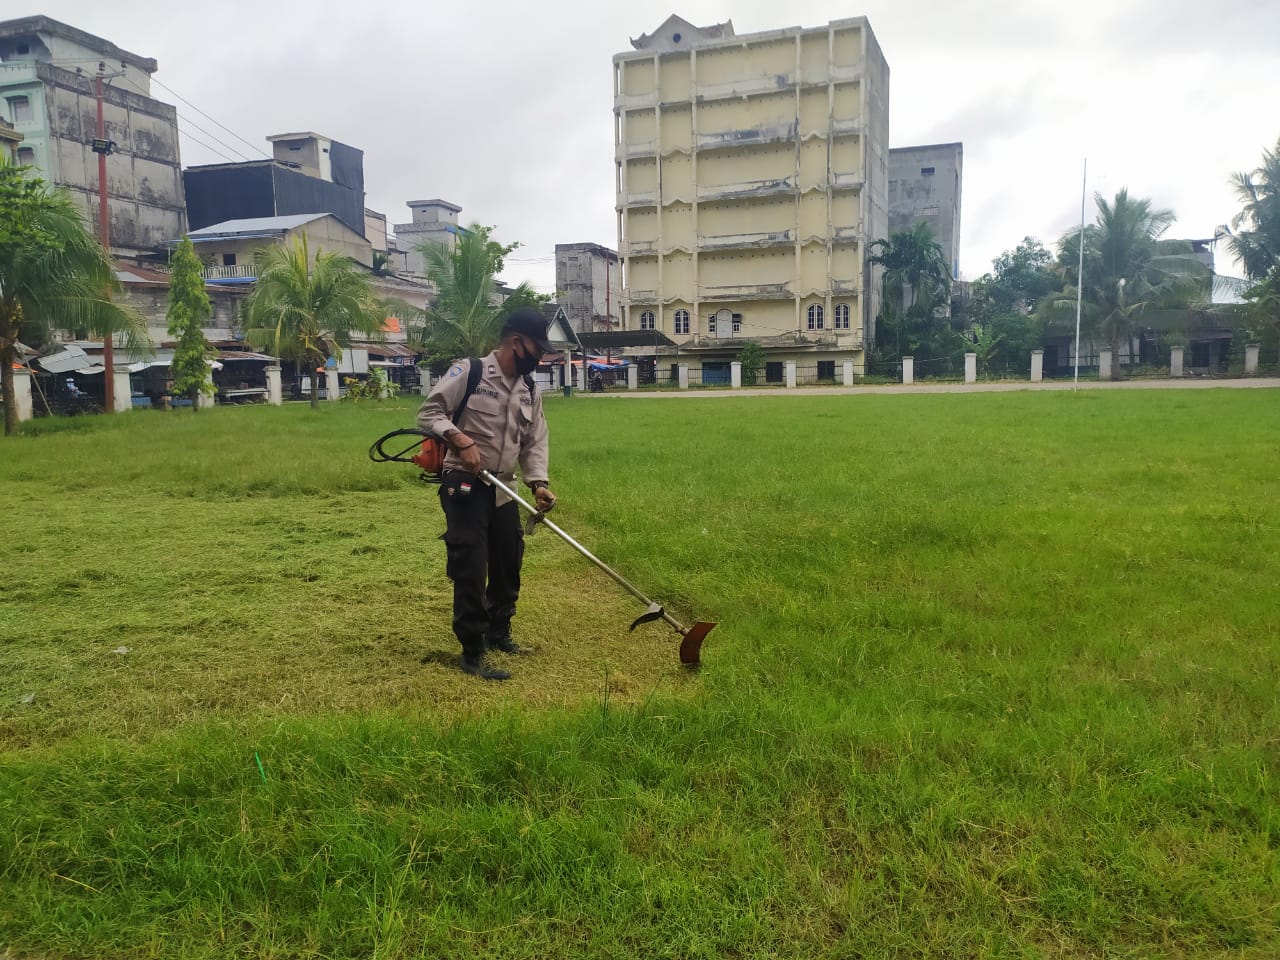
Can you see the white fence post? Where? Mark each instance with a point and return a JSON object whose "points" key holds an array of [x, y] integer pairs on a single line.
{"points": [[22, 394], [1037, 366], [682, 375], [331, 384], [1104, 364], [848, 373], [633, 377], [1250, 359], [791, 374], [908, 369], [275, 394], [970, 368], [1175, 361], [735, 375]]}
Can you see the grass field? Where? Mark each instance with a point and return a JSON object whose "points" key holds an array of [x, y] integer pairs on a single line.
{"points": [[996, 676]]}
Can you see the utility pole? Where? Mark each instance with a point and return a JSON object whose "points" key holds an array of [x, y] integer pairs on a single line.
{"points": [[102, 146]]}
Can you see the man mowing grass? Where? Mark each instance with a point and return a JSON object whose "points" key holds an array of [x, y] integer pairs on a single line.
{"points": [[490, 418]]}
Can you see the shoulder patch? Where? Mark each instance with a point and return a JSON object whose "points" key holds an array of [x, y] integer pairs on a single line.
{"points": [[455, 370], [492, 368]]}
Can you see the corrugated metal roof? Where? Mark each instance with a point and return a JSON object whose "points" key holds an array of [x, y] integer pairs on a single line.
{"points": [[254, 225]]}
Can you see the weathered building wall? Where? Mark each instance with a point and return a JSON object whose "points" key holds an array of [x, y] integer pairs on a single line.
{"points": [[925, 184], [751, 174], [144, 184], [589, 285]]}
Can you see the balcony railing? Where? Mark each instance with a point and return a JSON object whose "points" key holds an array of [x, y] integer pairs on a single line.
{"points": [[746, 188], [748, 136], [639, 248], [645, 198], [745, 291], [636, 101], [746, 86], [241, 271], [641, 296], [846, 127], [847, 181], [767, 239], [849, 234], [635, 149], [846, 287]]}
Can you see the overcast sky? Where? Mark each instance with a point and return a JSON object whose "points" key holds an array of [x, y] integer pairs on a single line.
{"points": [[505, 108]]}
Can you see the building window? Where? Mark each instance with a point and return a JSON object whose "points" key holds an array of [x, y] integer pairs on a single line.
{"points": [[682, 321], [26, 157], [646, 320], [826, 370], [926, 171], [228, 259], [20, 109], [711, 324], [23, 48], [842, 316], [737, 323], [816, 319], [773, 372]]}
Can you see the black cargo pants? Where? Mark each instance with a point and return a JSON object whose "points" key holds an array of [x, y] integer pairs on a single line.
{"points": [[482, 541]]}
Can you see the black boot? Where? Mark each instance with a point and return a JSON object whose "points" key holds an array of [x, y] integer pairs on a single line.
{"points": [[478, 668], [505, 644]]}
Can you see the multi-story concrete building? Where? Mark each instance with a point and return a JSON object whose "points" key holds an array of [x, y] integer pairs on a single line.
{"points": [[589, 286], [434, 221], [924, 186], [308, 174], [47, 95], [751, 173]]}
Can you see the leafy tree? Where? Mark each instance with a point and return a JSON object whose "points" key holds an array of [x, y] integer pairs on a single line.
{"points": [[189, 308], [1128, 268], [299, 302], [751, 356], [464, 319], [1000, 310], [916, 282], [53, 274]]}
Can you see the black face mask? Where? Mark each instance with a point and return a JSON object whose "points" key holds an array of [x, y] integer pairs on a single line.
{"points": [[526, 363]]}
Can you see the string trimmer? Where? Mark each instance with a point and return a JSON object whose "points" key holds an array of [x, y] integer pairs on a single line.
{"points": [[690, 637]]}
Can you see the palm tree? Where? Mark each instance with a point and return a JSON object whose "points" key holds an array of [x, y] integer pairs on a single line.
{"points": [[53, 275], [1256, 237], [464, 319], [298, 303], [1128, 269], [916, 281]]}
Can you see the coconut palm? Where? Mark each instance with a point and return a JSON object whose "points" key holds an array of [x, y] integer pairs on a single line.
{"points": [[299, 302], [1255, 240], [464, 318], [916, 281], [1128, 269], [53, 275]]}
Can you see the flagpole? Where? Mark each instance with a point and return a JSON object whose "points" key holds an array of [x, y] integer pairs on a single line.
{"points": [[1080, 271]]}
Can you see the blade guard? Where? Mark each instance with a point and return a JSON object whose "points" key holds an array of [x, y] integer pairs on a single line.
{"points": [[691, 643]]}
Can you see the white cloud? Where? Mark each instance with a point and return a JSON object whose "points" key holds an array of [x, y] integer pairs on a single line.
{"points": [[506, 108]]}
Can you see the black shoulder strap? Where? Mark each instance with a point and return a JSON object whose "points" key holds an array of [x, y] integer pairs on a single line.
{"points": [[473, 378], [528, 382]]}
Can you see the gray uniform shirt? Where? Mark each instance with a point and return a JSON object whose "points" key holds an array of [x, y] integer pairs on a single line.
{"points": [[504, 418]]}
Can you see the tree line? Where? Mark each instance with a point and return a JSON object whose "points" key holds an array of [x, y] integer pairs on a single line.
{"points": [[1132, 277]]}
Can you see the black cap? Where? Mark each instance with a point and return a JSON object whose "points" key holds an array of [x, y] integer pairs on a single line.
{"points": [[530, 324]]}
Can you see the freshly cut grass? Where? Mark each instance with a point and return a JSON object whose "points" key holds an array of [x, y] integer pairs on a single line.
{"points": [[996, 676]]}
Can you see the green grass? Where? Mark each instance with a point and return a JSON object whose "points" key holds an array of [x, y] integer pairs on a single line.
{"points": [[996, 676]]}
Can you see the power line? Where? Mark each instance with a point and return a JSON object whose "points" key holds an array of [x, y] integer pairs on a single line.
{"points": [[192, 123], [214, 150], [209, 118]]}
